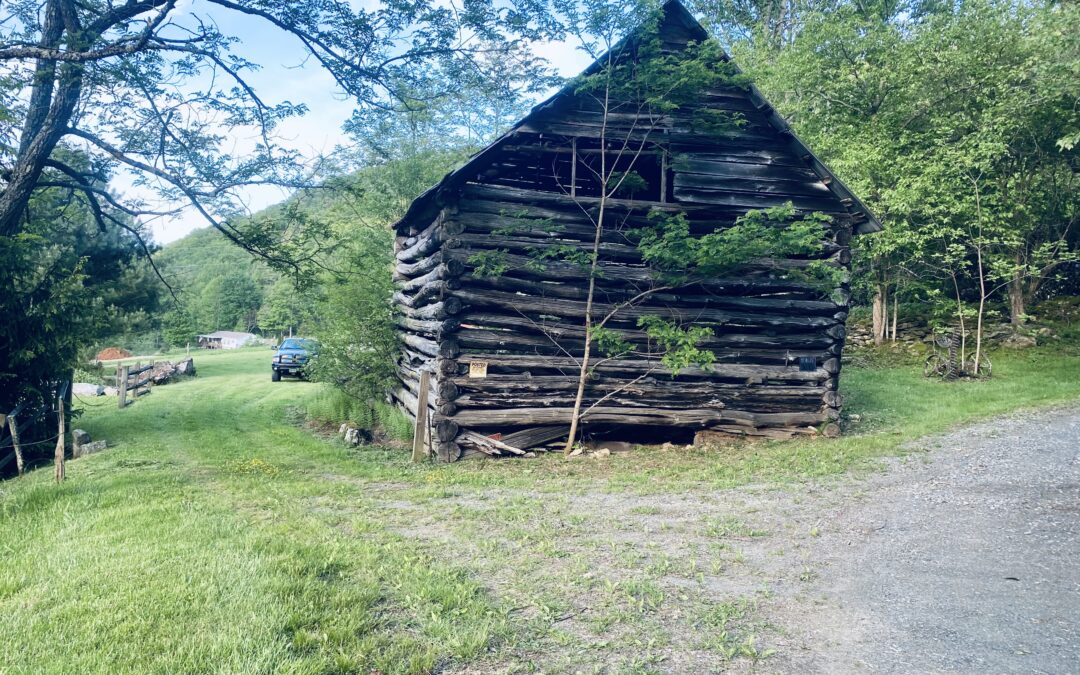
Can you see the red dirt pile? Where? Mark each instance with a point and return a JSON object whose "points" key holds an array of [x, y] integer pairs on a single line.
{"points": [[110, 353]]}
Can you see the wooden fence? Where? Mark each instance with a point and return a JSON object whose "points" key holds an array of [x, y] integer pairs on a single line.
{"points": [[133, 381]]}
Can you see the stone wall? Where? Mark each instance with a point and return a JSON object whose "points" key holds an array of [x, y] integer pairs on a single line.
{"points": [[912, 334]]}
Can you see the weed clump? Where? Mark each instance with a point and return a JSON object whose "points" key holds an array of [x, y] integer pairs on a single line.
{"points": [[334, 407], [252, 467]]}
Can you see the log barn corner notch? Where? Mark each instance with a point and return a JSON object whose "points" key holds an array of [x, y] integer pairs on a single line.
{"points": [[501, 350]]}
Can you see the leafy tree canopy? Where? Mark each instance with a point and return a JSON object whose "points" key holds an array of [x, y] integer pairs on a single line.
{"points": [[955, 122], [157, 89]]}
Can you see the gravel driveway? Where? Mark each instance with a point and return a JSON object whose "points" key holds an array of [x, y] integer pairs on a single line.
{"points": [[966, 559]]}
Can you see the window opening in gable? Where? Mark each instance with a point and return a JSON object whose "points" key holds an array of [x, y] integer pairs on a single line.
{"points": [[574, 169], [572, 166]]}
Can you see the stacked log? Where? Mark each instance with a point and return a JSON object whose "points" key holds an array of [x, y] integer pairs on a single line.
{"points": [[504, 349]]}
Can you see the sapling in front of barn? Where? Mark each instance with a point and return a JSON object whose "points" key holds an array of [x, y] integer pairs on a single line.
{"points": [[569, 230]]}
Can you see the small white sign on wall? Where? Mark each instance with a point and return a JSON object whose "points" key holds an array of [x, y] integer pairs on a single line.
{"points": [[478, 368]]}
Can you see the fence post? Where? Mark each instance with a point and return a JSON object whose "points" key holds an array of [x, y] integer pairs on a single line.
{"points": [[121, 385], [13, 425], [419, 443], [60, 441]]}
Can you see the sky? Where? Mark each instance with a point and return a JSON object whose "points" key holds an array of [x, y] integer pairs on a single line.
{"points": [[286, 75]]}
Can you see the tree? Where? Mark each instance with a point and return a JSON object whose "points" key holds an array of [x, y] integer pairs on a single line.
{"points": [[285, 308], [770, 24], [400, 154], [634, 77], [357, 332], [953, 122], [178, 327], [156, 89], [992, 165], [63, 285], [230, 302], [355, 325]]}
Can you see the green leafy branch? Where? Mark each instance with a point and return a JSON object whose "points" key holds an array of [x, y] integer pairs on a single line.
{"points": [[670, 247], [521, 222], [567, 253], [680, 347], [489, 264]]}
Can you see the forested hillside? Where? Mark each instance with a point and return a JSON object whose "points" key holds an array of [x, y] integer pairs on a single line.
{"points": [[222, 287]]}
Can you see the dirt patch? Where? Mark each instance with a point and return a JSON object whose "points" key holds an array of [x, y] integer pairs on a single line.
{"points": [[659, 583], [112, 353]]}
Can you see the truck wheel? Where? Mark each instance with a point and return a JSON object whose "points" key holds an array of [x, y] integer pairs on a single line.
{"points": [[275, 376]]}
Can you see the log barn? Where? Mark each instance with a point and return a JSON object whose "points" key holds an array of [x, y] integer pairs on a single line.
{"points": [[491, 302]]}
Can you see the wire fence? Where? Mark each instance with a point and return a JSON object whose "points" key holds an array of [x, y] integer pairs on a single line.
{"points": [[38, 419]]}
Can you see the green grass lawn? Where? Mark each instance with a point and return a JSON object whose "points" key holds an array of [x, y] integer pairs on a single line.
{"points": [[219, 536]]}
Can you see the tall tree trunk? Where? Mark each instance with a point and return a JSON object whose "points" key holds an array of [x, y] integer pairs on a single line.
{"points": [[49, 111], [982, 310], [583, 373], [982, 282], [895, 310], [44, 76], [1017, 297], [880, 318], [960, 318]]}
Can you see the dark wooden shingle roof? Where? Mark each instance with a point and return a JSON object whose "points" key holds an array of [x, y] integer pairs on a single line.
{"points": [[424, 206]]}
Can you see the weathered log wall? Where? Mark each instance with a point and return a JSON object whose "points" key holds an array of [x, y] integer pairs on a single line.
{"points": [[524, 207], [525, 324]]}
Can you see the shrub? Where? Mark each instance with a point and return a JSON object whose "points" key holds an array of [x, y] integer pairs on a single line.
{"points": [[333, 406], [394, 423], [90, 375]]}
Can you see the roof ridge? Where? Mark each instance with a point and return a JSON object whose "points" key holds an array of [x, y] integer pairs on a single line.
{"points": [[672, 10]]}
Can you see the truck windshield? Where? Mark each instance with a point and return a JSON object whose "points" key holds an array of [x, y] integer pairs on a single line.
{"points": [[297, 343]]}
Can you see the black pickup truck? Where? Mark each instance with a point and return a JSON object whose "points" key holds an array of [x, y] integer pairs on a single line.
{"points": [[292, 356]]}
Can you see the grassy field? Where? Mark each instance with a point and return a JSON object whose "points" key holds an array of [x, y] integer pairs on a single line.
{"points": [[218, 535]]}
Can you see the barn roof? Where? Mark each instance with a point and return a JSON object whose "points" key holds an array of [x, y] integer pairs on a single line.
{"points": [[674, 11]]}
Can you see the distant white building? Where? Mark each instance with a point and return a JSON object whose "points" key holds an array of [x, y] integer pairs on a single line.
{"points": [[227, 339]]}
